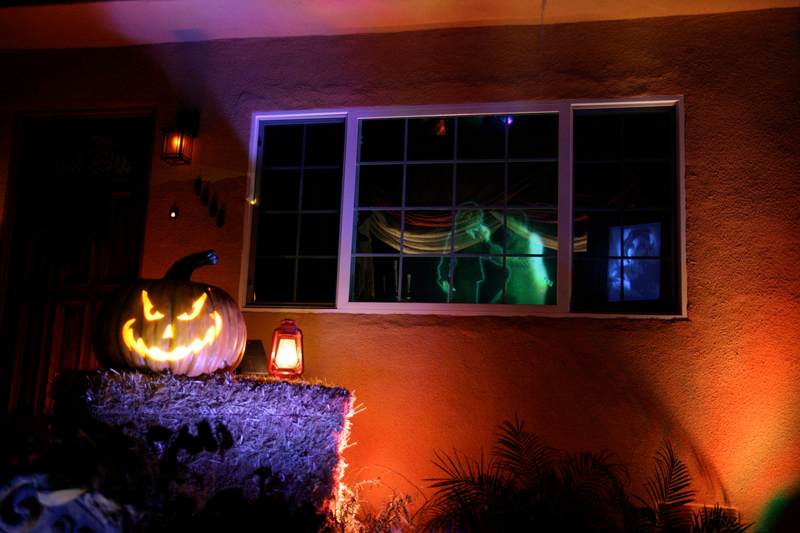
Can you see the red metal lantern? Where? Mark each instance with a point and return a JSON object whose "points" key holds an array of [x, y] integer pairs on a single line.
{"points": [[177, 147], [286, 356]]}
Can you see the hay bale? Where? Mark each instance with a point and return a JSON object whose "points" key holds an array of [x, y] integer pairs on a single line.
{"points": [[199, 436]]}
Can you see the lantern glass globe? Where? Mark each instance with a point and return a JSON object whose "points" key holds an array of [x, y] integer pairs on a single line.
{"points": [[286, 356]]}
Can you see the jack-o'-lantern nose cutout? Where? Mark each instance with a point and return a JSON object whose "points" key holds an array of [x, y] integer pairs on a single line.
{"points": [[168, 334]]}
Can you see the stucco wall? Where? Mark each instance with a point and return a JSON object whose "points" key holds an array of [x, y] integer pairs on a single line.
{"points": [[723, 386]]}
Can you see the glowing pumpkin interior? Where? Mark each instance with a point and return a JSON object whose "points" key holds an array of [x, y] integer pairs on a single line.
{"points": [[176, 353]]}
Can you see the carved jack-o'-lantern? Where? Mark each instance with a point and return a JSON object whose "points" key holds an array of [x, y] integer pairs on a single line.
{"points": [[171, 324]]}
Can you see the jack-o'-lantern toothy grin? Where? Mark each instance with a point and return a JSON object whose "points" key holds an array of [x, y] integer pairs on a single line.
{"points": [[178, 352]]}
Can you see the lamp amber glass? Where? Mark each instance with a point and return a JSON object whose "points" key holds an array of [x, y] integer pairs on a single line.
{"points": [[177, 147], [286, 355]]}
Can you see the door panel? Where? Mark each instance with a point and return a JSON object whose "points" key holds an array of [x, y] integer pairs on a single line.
{"points": [[29, 379], [71, 345], [118, 261]]}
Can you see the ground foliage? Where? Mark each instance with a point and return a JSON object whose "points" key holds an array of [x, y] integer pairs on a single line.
{"points": [[526, 485], [353, 513]]}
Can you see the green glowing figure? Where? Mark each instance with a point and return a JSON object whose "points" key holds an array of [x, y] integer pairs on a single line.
{"points": [[482, 278], [528, 281]]}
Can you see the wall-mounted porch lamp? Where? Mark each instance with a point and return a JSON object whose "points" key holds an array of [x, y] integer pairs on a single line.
{"points": [[286, 356], [179, 140]]}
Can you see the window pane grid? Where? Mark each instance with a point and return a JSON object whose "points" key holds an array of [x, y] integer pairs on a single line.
{"points": [[625, 160], [399, 274], [300, 208], [468, 224], [625, 208], [494, 160], [299, 190]]}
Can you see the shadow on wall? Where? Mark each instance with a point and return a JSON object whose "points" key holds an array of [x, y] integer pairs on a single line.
{"points": [[627, 397]]}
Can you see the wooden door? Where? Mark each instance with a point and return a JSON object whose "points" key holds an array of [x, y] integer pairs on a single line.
{"points": [[77, 233]]}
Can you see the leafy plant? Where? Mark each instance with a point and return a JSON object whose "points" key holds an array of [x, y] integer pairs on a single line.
{"points": [[714, 520], [669, 495], [668, 491], [353, 515], [526, 486]]}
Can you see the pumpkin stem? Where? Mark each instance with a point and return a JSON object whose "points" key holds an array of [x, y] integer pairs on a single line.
{"points": [[183, 268]]}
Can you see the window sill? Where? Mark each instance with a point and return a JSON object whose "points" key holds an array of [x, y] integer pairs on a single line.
{"points": [[543, 311]]}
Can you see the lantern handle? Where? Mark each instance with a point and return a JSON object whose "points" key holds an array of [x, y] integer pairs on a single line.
{"points": [[183, 268]]}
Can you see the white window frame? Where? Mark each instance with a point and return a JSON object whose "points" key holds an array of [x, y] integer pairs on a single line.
{"points": [[565, 110]]}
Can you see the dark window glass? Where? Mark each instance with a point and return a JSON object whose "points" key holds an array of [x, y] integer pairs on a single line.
{"points": [[316, 281], [379, 185], [480, 183], [430, 139], [277, 234], [648, 184], [533, 184], [429, 185], [482, 137], [319, 234], [533, 136], [280, 189], [597, 184], [597, 135], [297, 219], [270, 280], [420, 280], [282, 145], [324, 144], [648, 135], [322, 189], [382, 140], [375, 279]]}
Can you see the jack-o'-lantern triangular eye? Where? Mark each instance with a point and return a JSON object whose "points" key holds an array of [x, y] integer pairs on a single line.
{"points": [[196, 307], [148, 308]]}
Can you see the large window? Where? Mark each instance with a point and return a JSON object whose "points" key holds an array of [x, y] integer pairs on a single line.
{"points": [[522, 208]]}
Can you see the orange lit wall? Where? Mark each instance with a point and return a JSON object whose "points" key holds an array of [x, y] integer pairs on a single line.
{"points": [[722, 385]]}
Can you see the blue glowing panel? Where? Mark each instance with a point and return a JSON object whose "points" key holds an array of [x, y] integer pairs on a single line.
{"points": [[631, 275]]}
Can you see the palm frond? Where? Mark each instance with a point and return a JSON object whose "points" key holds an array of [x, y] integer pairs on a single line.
{"points": [[714, 520], [523, 455], [529, 486], [593, 486], [669, 487], [469, 493], [594, 477], [644, 520], [668, 490]]}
